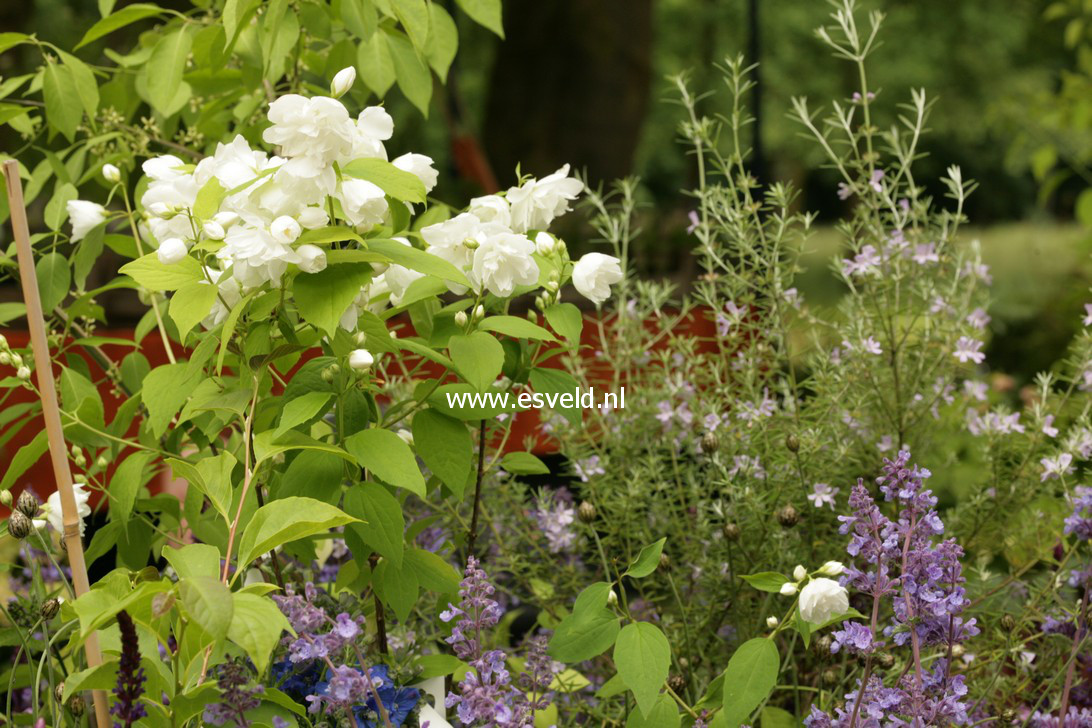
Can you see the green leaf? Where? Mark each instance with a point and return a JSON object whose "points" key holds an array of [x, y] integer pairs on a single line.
{"points": [[414, 17], [443, 40], [445, 446], [418, 260], [284, 520], [382, 524], [589, 631], [62, 99], [388, 457], [266, 446], [484, 12], [397, 587], [215, 481], [325, 296], [26, 456], [664, 714], [557, 383], [412, 73], [302, 409], [438, 665], [375, 64], [646, 561], [478, 357], [749, 678], [257, 625], [208, 199], [165, 389], [767, 581], [643, 656], [54, 279], [398, 183], [1083, 208], [772, 717], [165, 68], [566, 320], [209, 603], [56, 210], [87, 88], [524, 463], [126, 483], [433, 573], [153, 275], [190, 304], [228, 329], [194, 560], [519, 328], [125, 16], [360, 18]]}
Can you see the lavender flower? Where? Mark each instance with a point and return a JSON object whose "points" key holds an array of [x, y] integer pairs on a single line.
{"points": [[902, 560], [127, 707], [555, 515], [236, 698]]}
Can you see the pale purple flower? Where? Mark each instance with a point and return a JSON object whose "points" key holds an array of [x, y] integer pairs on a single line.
{"points": [[1088, 314], [967, 349], [844, 191], [926, 253], [1056, 467], [886, 443], [1048, 426], [588, 467], [979, 319], [555, 518], [823, 494], [871, 346], [980, 271], [875, 180], [751, 412], [695, 221], [865, 262], [975, 390]]}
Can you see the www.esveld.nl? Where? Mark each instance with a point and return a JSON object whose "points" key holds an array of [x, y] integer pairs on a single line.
{"points": [[582, 398]]}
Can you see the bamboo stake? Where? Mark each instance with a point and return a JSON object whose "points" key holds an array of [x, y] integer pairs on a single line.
{"points": [[58, 453]]}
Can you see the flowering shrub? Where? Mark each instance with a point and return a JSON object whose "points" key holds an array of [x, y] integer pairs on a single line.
{"points": [[354, 549]]}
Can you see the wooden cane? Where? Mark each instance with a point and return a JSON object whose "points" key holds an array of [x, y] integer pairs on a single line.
{"points": [[58, 453]]}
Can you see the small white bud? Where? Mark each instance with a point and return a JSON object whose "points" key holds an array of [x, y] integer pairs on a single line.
{"points": [[479, 312], [772, 622], [159, 209], [171, 251], [407, 437], [313, 217], [799, 573], [23, 373], [461, 318], [225, 219], [545, 244], [3, 342], [5, 358], [111, 173], [343, 81], [612, 598], [16, 360], [213, 230], [359, 338], [285, 229], [361, 360], [788, 589], [832, 568], [312, 258]]}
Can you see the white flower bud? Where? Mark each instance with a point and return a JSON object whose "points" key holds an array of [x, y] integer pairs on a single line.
{"points": [[285, 229], [5, 358], [343, 81], [213, 230], [461, 318], [111, 173], [479, 312], [171, 251], [788, 588], [225, 219], [313, 217], [359, 338], [612, 598], [159, 209], [832, 568], [799, 573], [361, 360], [312, 258], [16, 360], [407, 437], [545, 243], [23, 373], [772, 622]]}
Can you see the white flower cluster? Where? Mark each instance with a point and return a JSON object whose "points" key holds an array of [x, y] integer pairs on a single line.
{"points": [[262, 205]]}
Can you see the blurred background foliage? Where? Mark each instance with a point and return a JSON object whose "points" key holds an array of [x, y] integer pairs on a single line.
{"points": [[584, 82]]}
